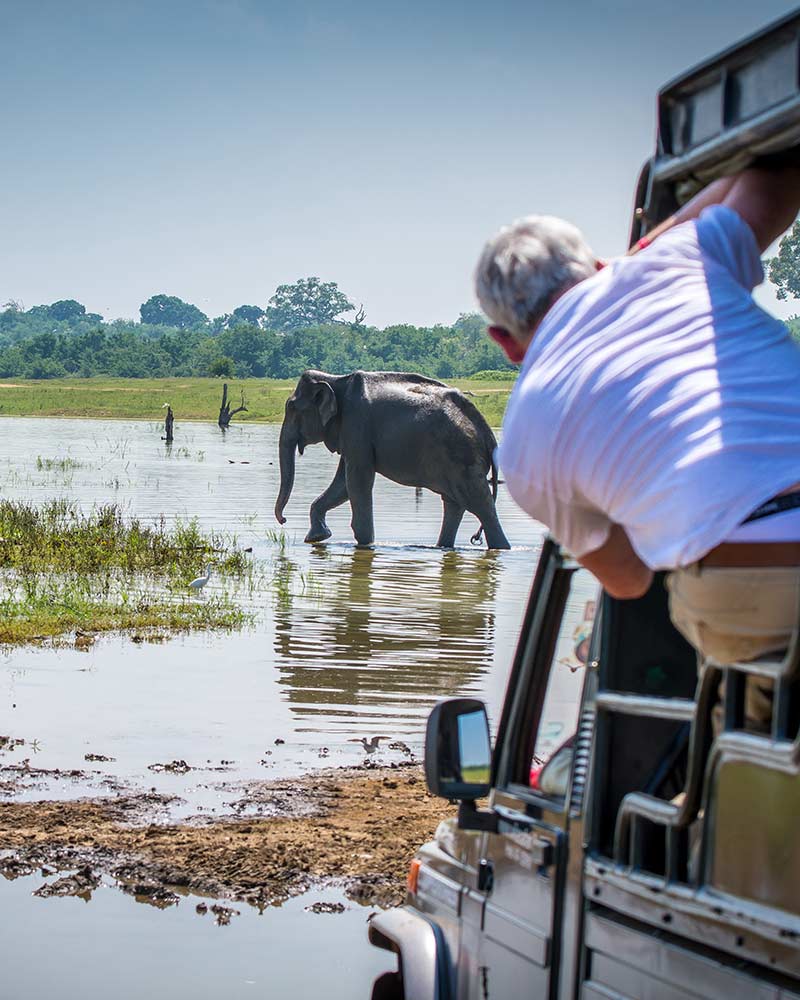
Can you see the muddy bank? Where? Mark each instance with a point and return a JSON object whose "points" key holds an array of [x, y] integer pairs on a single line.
{"points": [[358, 827]]}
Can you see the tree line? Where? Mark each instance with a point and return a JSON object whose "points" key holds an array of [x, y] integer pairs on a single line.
{"points": [[304, 325]]}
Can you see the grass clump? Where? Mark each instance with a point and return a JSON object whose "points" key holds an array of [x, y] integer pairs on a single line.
{"points": [[56, 464], [39, 609], [62, 569], [59, 537]]}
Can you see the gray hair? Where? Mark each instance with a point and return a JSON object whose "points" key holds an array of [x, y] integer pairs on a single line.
{"points": [[526, 266]]}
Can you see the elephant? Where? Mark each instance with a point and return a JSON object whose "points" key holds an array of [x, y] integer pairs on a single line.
{"points": [[411, 429]]}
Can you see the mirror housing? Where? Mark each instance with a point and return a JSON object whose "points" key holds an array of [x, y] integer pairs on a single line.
{"points": [[458, 750]]}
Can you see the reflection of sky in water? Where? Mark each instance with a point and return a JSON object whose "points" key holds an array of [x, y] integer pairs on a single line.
{"points": [[177, 953], [348, 643]]}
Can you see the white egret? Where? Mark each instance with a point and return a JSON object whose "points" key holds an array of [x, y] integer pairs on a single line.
{"points": [[201, 581]]}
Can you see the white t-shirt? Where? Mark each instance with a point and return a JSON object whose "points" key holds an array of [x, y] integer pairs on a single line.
{"points": [[657, 395]]}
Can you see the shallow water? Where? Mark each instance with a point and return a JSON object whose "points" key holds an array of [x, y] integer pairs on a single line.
{"points": [[347, 643], [114, 946]]}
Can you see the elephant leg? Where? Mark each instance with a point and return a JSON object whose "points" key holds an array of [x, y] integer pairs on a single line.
{"points": [[359, 488], [483, 508], [453, 513], [334, 496]]}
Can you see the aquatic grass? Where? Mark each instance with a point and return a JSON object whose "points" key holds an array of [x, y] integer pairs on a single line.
{"points": [[311, 586], [59, 537], [184, 452], [57, 464], [35, 608], [277, 538], [63, 569]]}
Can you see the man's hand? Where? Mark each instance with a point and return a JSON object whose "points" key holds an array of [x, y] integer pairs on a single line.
{"points": [[766, 196], [615, 564], [714, 194]]}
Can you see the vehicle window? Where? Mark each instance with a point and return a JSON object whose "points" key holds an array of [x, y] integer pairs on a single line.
{"points": [[552, 756]]}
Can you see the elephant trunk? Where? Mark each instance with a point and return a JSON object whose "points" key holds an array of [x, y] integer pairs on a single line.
{"points": [[286, 449]]}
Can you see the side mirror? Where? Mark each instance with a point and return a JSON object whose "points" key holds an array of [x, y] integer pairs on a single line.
{"points": [[458, 752]]}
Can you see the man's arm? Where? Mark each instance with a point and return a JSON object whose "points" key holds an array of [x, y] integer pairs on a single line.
{"points": [[714, 194], [621, 572], [766, 198]]}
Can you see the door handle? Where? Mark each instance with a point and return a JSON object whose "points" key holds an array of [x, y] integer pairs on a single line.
{"points": [[542, 849], [542, 852], [485, 876]]}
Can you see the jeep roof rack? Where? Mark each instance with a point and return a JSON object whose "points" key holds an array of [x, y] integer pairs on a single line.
{"points": [[720, 116]]}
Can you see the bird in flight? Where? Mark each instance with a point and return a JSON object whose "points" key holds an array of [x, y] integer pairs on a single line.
{"points": [[369, 745]]}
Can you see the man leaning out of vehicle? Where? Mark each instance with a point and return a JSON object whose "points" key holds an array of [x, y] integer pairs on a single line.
{"points": [[657, 413]]}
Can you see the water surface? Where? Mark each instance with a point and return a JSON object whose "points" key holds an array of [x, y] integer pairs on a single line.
{"points": [[346, 643]]}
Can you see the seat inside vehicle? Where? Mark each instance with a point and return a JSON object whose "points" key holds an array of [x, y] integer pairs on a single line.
{"points": [[647, 682]]}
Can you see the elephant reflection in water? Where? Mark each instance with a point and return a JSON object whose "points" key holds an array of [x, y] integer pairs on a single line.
{"points": [[390, 628]]}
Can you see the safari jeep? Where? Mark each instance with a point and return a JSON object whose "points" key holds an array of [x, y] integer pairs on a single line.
{"points": [[627, 836]]}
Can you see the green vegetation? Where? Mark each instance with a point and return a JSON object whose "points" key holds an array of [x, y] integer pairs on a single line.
{"points": [[308, 302], [47, 608], [784, 269], [56, 464], [59, 537], [191, 399], [476, 775], [301, 327], [62, 569]]}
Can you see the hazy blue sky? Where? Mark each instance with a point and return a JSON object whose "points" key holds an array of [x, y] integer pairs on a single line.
{"points": [[213, 149]]}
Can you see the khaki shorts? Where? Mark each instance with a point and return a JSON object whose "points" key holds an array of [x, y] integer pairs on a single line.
{"points": [[737, 615]]}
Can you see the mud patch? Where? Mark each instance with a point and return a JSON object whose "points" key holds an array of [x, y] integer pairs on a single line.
{"points": [[151, 893], [222, 914], [322, 907], [81, 884], [357, 827]]}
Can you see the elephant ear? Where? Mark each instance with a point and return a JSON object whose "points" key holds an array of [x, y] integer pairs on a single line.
{"points": [[325, 401]]}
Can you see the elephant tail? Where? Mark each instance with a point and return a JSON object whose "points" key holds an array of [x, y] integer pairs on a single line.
{"points": [[495, 480]]}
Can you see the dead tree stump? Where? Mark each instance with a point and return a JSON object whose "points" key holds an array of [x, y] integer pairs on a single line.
{"points": [[169, 420], [225, 411]]}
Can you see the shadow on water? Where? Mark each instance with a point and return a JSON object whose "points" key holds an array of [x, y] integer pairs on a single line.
{"points": [[385, 629]]}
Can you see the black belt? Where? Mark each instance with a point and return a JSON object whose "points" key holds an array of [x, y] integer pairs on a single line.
{"points": [[777, 505]]}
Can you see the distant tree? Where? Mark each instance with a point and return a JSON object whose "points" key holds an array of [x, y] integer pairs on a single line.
{"points": [[246, 344], [169, 310], [307, 302], [10, 313], [784, 270], [222, 367], [223, 322], [66, 310], [249, 314], [471, 328]]}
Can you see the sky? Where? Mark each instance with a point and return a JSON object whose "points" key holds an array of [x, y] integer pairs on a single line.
{"points": [[214, 149]]}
